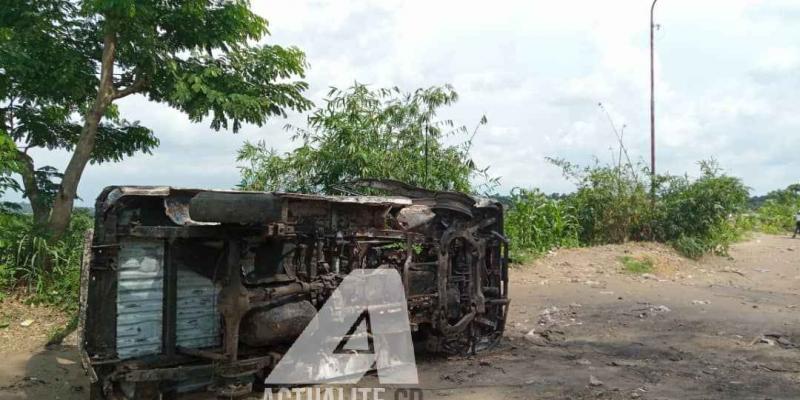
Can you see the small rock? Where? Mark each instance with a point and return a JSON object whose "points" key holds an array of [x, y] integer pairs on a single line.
{"points": [[700, 302], [594, 381], [766, 341], [650, 276], [583, 361], [34, 379], [26, 323], [622, 363], [535, 339]]}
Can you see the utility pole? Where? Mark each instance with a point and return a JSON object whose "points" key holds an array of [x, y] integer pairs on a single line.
{"points": [[652, 103]]}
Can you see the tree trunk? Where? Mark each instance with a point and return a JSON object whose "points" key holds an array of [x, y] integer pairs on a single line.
{"points": [[41, 210], [68, 189]]}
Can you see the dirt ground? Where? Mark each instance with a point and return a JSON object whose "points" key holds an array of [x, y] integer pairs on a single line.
{"points": [[581, 327]]}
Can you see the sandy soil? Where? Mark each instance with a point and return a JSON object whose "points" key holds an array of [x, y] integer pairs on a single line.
{"points": [[581, 327]]}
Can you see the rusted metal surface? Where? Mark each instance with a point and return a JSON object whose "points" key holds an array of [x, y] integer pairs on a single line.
{"points": [[217, 283]]}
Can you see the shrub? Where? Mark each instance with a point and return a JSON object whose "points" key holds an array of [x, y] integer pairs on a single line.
{"points": [[776, 214], [702, 215], [689, 246], [611, 203]]}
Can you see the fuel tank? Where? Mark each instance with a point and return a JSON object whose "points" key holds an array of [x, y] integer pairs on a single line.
{"points": [[276, 325]]}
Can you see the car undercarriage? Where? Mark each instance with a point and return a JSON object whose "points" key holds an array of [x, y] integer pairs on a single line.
{"points": [[186, 289]]}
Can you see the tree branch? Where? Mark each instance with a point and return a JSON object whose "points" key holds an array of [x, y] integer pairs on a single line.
{"points": [[137, 86]]}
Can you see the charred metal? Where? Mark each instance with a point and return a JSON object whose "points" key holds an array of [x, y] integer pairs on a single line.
{"points": [[186, 289]]}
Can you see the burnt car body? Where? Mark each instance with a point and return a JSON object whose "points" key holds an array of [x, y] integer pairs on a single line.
{"points": [[186, 289]]}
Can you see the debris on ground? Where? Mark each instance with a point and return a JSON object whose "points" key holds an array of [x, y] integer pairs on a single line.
{"points": [[772, 340], [732, 271], [651, 309]]}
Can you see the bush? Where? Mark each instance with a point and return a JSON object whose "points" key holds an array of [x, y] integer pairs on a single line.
{"points": [[26, 256], [613, 204], [689, 246], [700, 216], [536, 224], [776, 214]]}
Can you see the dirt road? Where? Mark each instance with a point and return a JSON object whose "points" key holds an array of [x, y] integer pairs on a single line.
{"points": [[583, 328]]}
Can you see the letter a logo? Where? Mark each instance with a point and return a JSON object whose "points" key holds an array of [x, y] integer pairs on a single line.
{"points": [[363, 326]]}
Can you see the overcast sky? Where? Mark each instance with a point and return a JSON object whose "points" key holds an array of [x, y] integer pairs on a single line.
{"points": [[727, 85]]}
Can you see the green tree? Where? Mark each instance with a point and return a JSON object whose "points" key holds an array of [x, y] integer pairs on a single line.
{"points": [[365, 133], [64, 63]]}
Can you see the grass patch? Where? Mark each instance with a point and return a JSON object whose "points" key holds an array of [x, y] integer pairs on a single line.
{"points": [[637, 266], [523, 257]]}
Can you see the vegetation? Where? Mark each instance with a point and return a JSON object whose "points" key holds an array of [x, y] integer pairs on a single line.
{"points": [[637, 265], [43, 271], [613, 204], [702, 215], [778, 210], [537, 224], [196, 56], [370, 133]]}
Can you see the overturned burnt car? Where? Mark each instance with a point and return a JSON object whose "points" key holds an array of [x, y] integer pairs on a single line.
{"points": [[185, 289]]}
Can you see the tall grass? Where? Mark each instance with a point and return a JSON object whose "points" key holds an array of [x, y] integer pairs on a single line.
{"points": [[40, 271], [536, 224]]}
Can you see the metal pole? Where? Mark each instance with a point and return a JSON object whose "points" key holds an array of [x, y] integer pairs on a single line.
{"points": [[652, 103]]}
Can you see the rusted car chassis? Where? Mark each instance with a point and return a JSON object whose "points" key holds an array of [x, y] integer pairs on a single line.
{"points": [[187, 289]]}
